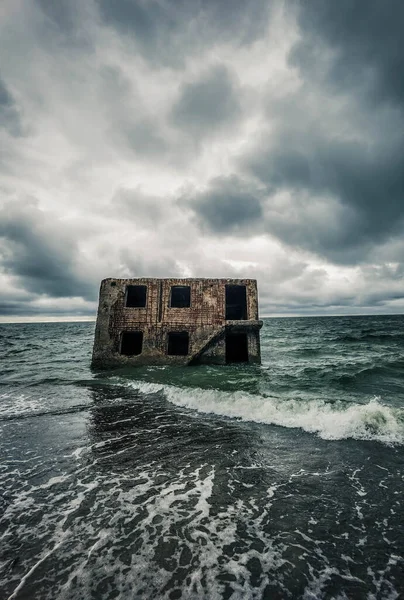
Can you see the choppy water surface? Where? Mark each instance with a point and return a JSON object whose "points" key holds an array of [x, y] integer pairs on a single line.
{"points": [[279, 481]]}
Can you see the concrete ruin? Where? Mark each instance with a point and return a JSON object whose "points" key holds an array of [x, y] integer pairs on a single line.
{"points": [[177, 322]]}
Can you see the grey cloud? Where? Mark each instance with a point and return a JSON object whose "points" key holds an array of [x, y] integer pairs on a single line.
{"points": [[337, 198], [354, 56], [6, 98], [144, 139], [336, 149], [134, 204], [328, 177], [11, 308], [130, 124], [12, 300], [377, 298], [137, 264], [10, 118], [208, 103], [169, 31], [361, 189], [66, 24], [227, 206], [63, 13], [15, 308], [38, 252], [366, 42], [140, 19], [30, 309]]}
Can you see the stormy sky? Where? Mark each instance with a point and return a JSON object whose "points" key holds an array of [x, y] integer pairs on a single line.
{"points": [[210, 138]]}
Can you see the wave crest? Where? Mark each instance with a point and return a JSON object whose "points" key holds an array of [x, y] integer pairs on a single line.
{"points": [[340, 420]]}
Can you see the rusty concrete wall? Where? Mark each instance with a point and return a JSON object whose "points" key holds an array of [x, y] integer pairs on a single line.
{"points": [[204, 319]]}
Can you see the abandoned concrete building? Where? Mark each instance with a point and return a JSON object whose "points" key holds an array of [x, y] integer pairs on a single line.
{"points": [[177, 321]]}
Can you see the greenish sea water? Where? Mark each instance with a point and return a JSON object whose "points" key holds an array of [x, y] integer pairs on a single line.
{"points": [[277, 481]]}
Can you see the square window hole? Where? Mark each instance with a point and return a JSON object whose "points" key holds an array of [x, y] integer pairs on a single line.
{"points": [[131, 343], [178, 343], [236, 302], [180, 296], [236, 347], [136, 296]]}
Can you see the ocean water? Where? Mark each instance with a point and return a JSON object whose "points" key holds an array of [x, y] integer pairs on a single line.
{"points": [[277, 481]]}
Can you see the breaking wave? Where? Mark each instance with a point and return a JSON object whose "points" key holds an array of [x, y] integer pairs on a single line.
{"points": [[372, 421]]}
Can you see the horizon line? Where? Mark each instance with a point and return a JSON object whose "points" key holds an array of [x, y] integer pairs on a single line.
{"points": [[67, 319]]}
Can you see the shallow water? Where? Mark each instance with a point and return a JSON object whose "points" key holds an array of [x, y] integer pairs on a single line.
{"points": [[278, 481]]}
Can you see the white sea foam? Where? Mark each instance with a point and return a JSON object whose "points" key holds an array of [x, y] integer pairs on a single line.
{"points": [[14, 405], [371, 421]]}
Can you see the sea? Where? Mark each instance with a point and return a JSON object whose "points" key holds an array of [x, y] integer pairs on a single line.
{"points": [[274, 481]]}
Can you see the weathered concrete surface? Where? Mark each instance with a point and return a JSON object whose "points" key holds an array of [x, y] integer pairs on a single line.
{"points": [[204, 320]]}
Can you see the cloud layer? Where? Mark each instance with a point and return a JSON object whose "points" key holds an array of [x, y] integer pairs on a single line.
{"points": [[205, 138]]}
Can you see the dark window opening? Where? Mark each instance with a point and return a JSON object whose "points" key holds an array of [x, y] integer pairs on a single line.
{"points": [[236, 302], [236, 348], [132, 343], [113, 283], [136, 296], [178, 343], [180, 296]]}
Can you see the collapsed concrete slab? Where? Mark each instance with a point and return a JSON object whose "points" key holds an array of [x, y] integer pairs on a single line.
{"points": [[177, 321]]}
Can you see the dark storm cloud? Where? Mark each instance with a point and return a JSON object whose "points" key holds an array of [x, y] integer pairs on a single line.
{"points": [[366, 41], [6, 98], [66, 25], [10, 308], [63, 13], [228, 206], [208, 103], [342, 186], [29, 309], [168, 31], [336, 146], [9, 113], [39, 253], [345, 196]]}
